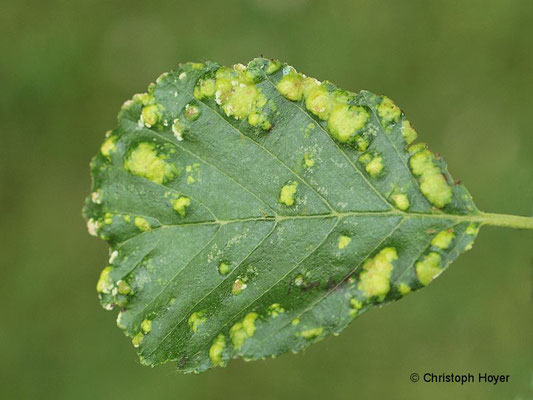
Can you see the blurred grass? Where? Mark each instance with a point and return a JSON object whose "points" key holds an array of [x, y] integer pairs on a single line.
{"points": [[460, 69]]}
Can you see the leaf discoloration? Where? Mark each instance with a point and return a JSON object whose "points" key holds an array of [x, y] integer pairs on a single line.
{"points": [[254, 210]]}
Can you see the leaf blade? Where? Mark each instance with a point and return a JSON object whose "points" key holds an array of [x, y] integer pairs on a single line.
{"points": [[248, 220]]}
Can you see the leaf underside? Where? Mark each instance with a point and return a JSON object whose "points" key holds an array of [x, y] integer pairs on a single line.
{"points": [[252, 211]]}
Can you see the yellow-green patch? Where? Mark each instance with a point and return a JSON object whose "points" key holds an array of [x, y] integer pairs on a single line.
{"points": [[105, 283], [108, 218], [273, 66], [404, 288], [142, 224], [318, 102], [238, 286], [345, 121], [196, 319], [275, 309], [311, 333], [362, 143], [288, 193], [299, 280], [433, 184], [137, 339], [237, 93], [144, 98], [355, 305], [472, 229], [123, 287], [178, 129], [195, 65], [291, 86], [150, 115], [216, 349], [145, 162], [343, 241], [408, 132], [243, 330], [108, 147], [375, 166], [224, 268], [146, 326], [401, 201], [428, 268], [180, 205], [192, 112], [374, 281], [259, 119], [308, 160], [388, 111], [204, 88], [443, 239]]}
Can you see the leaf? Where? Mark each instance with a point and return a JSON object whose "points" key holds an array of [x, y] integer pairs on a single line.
{"points": [[253, 211]]}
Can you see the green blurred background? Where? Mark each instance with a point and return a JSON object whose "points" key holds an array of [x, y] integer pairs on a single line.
{"points": [[462, 71]]}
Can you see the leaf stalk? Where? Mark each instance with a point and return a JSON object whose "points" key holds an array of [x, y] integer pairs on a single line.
{"points": [[505, 220]]}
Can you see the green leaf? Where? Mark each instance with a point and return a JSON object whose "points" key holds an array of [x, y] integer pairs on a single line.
{"points": [[253, 211]]}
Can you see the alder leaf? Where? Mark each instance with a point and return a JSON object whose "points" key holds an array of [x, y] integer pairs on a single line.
{"points": [[252, 211]]}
